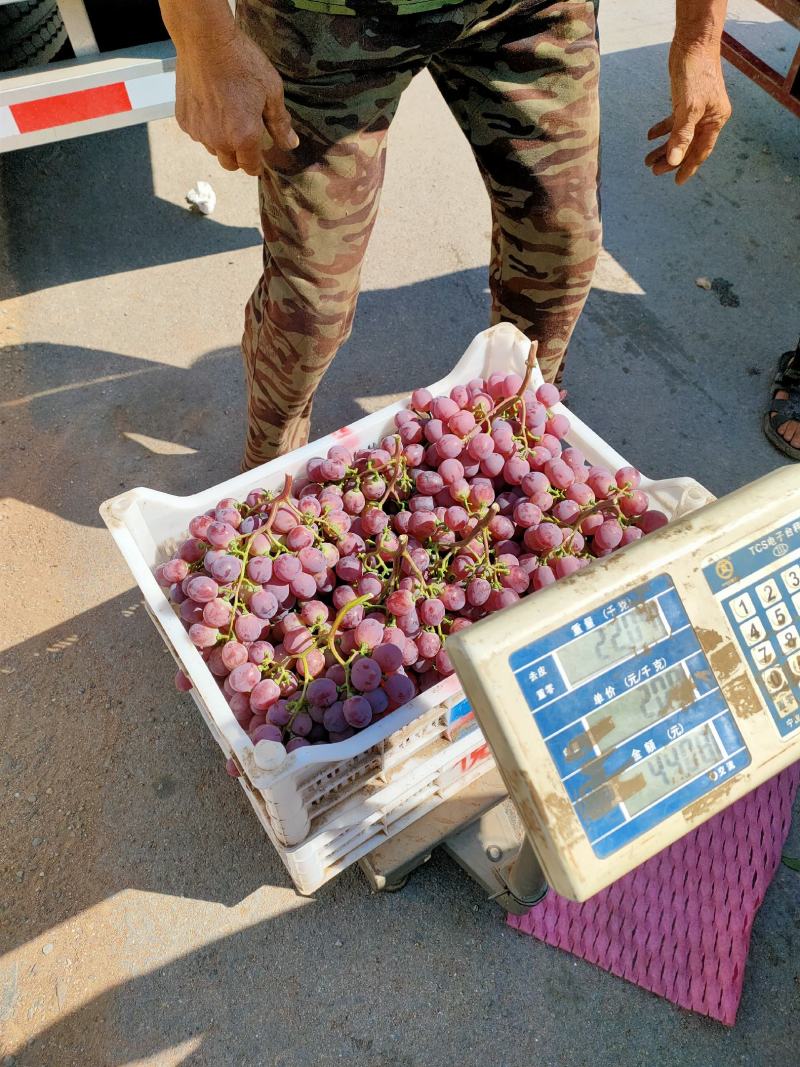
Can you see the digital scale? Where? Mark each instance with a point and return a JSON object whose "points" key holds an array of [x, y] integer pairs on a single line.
{"points": [[631, 702]]}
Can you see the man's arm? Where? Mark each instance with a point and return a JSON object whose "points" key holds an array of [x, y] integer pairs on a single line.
{"points": [[700, 105], [227, 91]]}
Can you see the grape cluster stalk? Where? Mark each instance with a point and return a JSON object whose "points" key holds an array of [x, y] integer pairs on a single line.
{"points": [[322, 608]]}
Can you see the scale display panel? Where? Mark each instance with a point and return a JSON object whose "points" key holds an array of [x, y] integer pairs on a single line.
{"points": [[629, 703], [631, 713], [758, 586]]}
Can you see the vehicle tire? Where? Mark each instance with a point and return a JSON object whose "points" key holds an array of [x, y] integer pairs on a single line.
{"points": [[31, 32]]}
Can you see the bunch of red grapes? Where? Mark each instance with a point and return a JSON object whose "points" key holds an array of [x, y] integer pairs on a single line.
{"points": [[323, 607]]}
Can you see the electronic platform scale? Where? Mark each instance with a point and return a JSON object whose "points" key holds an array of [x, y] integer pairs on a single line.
{"points": [[629, 703]]}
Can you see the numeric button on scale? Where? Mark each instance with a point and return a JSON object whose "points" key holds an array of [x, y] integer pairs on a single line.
{"points": [[785, 703], [768, 593], [774, 679], [779, 616], [764, 655], [742, 607], [753, 631], [789, 640], [791, 578]]}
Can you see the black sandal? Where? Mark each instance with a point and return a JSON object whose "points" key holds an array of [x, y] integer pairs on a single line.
{"points": [[786, 380]]}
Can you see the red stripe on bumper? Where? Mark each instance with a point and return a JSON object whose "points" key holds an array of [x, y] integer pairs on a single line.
{"points": [[71, 107]]}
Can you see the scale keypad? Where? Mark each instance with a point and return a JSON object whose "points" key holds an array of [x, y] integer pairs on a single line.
{"points": [[765, 616]]}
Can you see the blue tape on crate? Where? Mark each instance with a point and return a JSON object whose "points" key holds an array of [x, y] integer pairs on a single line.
{"points": [[460, 714]]}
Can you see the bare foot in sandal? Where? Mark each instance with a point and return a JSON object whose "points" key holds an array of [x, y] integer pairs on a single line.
{"points": [[782, 421]]}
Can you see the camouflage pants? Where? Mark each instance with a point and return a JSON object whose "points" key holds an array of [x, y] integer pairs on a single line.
{"points": [[521, 79]]}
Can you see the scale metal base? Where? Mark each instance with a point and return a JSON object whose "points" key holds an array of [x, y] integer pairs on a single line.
{"points": [[480, 830]]}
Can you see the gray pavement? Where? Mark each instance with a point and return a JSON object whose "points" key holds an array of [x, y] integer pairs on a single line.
{"points": [[146, 920]]}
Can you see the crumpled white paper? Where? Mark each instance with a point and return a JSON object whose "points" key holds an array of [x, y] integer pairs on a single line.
{"points": [[202, 198]]}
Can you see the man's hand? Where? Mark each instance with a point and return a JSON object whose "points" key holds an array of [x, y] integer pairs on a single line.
{"points": [[700, 108], [227, 91], [700, 105], [225, 98]]}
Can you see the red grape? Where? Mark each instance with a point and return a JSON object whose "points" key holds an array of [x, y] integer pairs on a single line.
{"points": [[357, 712], [471, 504]]}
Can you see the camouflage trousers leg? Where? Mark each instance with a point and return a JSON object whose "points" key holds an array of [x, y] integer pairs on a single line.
{"points": [[315, 234], [521, 79], [529, 107]]}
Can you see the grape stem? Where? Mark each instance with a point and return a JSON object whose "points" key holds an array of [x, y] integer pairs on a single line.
{"points": [[608, 506], [485, 537], [530, 363], [395, 472], [498, 409], [412, 564], [523, 414], [357, 602], [398, 558], [493, 510], [247, 510], [266, 529], [299, 702]]}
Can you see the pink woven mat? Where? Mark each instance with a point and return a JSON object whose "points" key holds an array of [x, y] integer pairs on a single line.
{"points": [[680, 924]]}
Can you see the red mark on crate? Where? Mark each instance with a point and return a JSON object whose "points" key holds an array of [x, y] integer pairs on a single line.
{"points": [[468, 762], [71, 107], [344, 433]]}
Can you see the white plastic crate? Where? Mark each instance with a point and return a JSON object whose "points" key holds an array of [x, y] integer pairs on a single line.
{"points": [[326, 806]]}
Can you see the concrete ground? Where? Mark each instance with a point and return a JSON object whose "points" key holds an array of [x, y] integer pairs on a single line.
{"points": [[146, 920]]}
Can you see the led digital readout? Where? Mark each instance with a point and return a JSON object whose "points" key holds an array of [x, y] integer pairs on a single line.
{"points": [[631, 714], [647, 782], [610, 725], [612, 643]]}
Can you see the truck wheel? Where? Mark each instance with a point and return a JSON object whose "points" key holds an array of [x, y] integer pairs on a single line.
{"points": [[31, 32]]}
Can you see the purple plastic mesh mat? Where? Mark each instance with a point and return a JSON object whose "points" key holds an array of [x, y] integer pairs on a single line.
{"points": [[680, 924]]}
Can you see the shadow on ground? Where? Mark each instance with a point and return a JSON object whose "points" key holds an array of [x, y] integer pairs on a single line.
{"points": [[68, 409], [140, 769], [116, 786], [71, 411], [54, 240]]}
